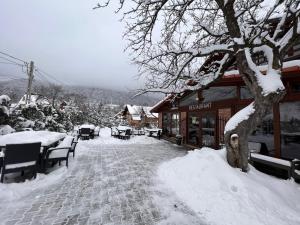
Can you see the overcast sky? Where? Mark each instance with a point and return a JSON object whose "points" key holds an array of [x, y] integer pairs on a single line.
{"points": [[67, 39]]}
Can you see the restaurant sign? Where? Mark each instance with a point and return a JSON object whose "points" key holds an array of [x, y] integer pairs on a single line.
{"points": [[200, 106]]}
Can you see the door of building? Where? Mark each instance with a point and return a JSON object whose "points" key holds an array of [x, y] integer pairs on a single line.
{"points": [[193, 134], [208, 129], [223, 116]]}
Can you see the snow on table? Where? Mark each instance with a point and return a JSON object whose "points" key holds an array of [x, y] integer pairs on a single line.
{"points": [[153, 129], [45, 137], [123, 128], [89, 126]]}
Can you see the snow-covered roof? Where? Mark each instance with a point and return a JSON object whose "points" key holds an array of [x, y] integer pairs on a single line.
{"points": [[35, 99], [136, 110]]}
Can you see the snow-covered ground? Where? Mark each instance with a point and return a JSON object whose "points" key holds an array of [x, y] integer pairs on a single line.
{"points": [[220, 194], [112, 181]]}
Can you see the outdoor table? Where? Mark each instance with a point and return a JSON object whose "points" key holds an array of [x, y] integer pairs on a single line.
{"points": [[48, 139], [122, 129], [88, 126], [152, 131]]}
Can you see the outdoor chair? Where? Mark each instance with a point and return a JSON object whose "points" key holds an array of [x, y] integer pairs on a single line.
{"points": [[296, 170], [125, 135], [156, 134], [20, 157], [73, 146], [85, 133], [61, 152], [97, 132]]}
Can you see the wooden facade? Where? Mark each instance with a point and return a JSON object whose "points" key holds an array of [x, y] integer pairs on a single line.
{"points": [[202, 114]]}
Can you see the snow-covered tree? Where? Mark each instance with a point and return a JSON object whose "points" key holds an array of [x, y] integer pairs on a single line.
{"points": [[171, 39]]}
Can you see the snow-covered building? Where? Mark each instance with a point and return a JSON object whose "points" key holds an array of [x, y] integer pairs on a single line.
{"points": [[200, 116], [35, 99], [139, 115]]}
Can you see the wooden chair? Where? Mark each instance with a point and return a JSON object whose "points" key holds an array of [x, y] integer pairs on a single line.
{"points": [[61, 152], [20, 157], [85, 133]]}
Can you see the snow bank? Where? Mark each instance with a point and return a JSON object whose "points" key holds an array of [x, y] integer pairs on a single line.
{"points": [[221, 194], [14, 191], [6, 129]]}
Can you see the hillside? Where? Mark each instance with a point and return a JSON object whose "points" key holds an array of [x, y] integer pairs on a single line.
{"points": [[16, 88]]}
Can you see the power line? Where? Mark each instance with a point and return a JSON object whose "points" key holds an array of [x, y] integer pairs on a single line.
{"points": [[50, 76], [12, 62], [13, 57]]}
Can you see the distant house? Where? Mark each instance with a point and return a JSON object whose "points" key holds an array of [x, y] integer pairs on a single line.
{"points": [[138, 116], [35, 99]]}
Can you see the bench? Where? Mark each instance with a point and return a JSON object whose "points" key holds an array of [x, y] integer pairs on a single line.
{"points": [[270, 165]]}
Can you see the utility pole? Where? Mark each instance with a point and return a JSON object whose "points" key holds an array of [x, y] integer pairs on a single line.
{"points": [[30, 79]]}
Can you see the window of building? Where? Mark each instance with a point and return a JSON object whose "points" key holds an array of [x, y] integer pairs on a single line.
{"points": [[191, 99], [175, 124], [265, 134], [219, 93], [194, 129], [166, 123], [245, 93], [290, 129]]}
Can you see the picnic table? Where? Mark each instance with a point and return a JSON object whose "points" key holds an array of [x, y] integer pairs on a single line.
{"points": [[48, 139]]}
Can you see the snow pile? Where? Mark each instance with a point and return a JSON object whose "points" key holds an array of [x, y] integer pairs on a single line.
{"points": [[6, 129], [221, 194], [14, 191]]}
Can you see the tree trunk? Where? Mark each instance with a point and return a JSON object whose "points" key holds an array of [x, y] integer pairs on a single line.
{"points": [[236, 140]]}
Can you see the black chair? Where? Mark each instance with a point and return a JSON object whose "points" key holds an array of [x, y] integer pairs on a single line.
{"points": [[125, 135], [73, 146], [61, 152], [85, 133], [20, 157]]}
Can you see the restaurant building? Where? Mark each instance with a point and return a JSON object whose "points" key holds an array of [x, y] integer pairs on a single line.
{"points": [[199, 117]]}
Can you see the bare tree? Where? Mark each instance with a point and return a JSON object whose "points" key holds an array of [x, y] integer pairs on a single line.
{"points": [[170, 40]]}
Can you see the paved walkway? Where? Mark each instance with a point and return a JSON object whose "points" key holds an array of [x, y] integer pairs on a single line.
{"points": [[106, 184]]}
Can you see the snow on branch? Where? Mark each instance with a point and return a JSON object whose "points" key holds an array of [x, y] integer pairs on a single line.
{"points": [[271, 81]]}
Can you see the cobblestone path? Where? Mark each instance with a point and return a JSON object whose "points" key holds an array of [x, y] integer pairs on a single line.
{"points": [[106, 184]]}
